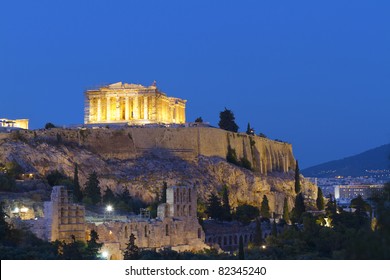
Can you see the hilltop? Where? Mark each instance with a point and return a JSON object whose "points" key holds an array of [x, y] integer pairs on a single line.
{"points": [[371, 163]]}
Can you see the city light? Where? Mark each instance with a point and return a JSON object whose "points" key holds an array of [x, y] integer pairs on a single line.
{"points": [[109, 208], [263, 247], [105, 254], [24, 209]]}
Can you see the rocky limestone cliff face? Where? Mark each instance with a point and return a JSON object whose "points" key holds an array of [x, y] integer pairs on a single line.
{"points": [[186, 142], [141, 159]]}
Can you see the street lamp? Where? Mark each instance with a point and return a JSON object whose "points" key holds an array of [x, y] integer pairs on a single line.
{"points": [[109, 210], [105, 254]]}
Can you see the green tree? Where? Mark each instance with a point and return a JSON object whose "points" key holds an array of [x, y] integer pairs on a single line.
{"points": [[299, 208], [232, 156], [4, 226], [286, 213], [241, 253], [49, 125], [297, 178], [250, 130], [320, 200], [246, 213], [264, 209], [93, 247], [214, 207], [227, 121], [77, 193], [109, 196], [258, 236], [7, 183], [361, 208], [126, 202], [73, 250], [226, 204], [92, 189], [244, 162], [199, 120], [13, 169], [274, 231], [132, 251], [56, 178], [331, 207]]}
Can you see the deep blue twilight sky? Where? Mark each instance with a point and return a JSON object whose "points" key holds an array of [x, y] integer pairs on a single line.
{"points": [[313, 73]]}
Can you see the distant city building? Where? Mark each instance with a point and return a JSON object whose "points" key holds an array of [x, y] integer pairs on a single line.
{"points": [[13, 124], [132, 104], [349, 192]]}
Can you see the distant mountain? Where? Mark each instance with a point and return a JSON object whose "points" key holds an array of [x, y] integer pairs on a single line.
{"points": [[372, 163]]}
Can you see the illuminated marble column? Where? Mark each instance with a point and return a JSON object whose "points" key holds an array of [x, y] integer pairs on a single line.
{"points": [[118, 109], [108, 108], [182, 117], [145, 107], [136, 108], [99, 109], [90, 110], [154, 109], [127, 108]]}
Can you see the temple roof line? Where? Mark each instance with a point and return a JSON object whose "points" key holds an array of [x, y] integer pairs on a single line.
{"points": [[120, 85]]}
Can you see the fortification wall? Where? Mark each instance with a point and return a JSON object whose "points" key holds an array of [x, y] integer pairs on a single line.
{"points": [[186, 142]]}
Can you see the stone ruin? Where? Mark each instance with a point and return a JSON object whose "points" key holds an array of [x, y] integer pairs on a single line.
{"points": [[176, 226]]}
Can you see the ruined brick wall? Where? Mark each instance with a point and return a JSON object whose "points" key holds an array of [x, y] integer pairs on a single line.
{"points": [[176, 226], [64, 218]]}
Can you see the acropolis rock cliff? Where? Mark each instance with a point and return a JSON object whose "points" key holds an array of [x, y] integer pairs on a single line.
{"points": [[141, 159]]}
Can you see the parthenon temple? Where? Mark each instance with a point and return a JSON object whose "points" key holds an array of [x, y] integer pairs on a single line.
{"points": [[133, 104]]}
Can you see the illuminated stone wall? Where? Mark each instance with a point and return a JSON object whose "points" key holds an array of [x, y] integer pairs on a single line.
{"points": [[265, 155], [64, 218], [176, 226], [133, 104]]}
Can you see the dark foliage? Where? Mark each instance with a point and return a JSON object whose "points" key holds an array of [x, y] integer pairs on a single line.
{"points": [[241, 253], [297, 178], [227, 121], [320, 200], [92, 194], [214, 207], [264, 209], [132, 251], [77, 193], [227, 215], [49, 125], [246, 213]]}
